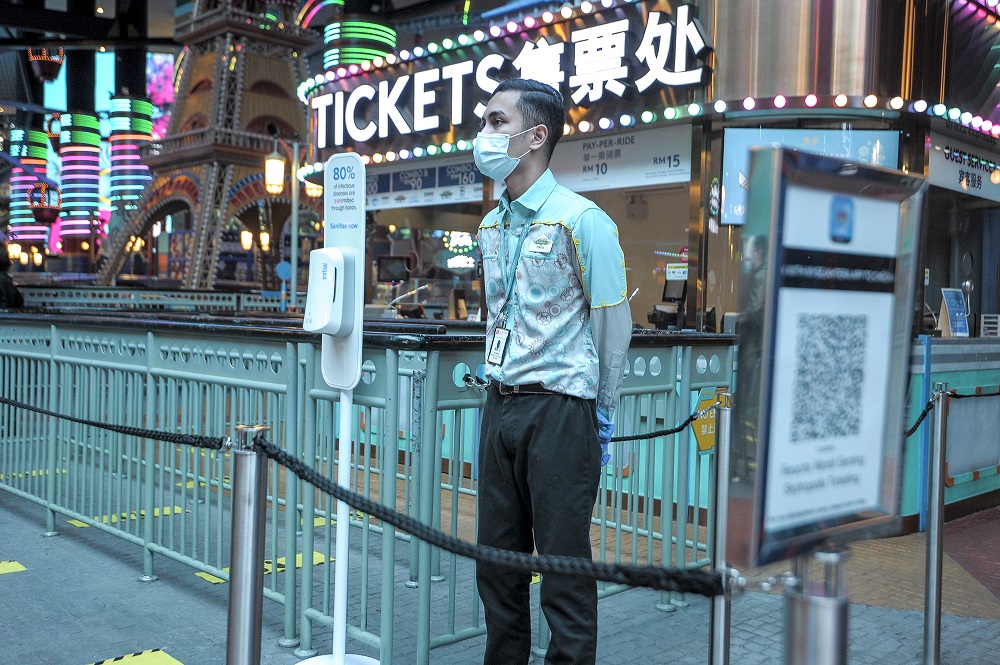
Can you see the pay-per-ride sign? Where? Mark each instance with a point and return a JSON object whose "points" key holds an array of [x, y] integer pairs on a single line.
{"points": [[336, 272], [825, 336]]}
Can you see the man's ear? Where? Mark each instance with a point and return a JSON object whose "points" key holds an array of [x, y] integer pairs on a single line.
{"points": [[539, 136]]}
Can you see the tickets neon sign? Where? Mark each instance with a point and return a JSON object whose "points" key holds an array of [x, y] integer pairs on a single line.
{"points": [[598, 60]]}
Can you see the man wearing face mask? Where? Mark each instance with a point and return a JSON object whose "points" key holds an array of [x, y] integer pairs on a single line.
{"points": [[558, 330]]}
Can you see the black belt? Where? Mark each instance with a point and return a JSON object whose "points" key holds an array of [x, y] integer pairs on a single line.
{"points": [[523, 389]]}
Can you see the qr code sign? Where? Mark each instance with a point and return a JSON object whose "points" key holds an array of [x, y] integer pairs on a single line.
{"points": [[829, 370]]}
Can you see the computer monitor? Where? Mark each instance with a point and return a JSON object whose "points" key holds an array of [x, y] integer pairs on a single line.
{"points": [[675, 290], [710, 324], [391, 268]]}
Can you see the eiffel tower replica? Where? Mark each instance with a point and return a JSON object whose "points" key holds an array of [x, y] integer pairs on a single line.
{"points": [[235, 88]]}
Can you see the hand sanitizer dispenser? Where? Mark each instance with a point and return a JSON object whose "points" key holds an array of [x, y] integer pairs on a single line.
{"points": [[329, 306]]}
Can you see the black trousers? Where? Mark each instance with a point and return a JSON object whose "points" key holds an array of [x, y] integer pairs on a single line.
{"points": [[539, 471]]}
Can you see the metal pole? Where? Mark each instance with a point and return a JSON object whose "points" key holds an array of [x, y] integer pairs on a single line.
{"points": [[935, 529], [246, 574], [293, 300], [344, 446], [816, 612], [719, 613]]}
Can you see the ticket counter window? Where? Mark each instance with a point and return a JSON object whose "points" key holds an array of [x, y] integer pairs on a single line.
{"points": [[425, 274]]}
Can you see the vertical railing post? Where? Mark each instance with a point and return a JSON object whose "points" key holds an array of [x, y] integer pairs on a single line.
{"points": [[246, 572], [387, 489], [719, 616], [427, 477], [292, 393], [415, 428], [683, 439], [305, 648], [148, 498], [935, 529], [52, 438]]}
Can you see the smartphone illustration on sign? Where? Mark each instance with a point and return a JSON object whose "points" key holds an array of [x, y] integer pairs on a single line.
{"points": [[841, 219]]}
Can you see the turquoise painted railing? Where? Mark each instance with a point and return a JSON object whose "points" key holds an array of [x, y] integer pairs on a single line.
{"points": [[415, 425]]}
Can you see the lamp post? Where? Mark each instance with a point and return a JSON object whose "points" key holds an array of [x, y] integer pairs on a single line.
{"points": [[274, 183]]}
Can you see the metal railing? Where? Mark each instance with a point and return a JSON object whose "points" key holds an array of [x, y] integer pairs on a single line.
{"points": [[104, 298], [415, 424]]}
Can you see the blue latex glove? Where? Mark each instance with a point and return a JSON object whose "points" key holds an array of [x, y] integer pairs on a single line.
{"points": [[605, 428]]}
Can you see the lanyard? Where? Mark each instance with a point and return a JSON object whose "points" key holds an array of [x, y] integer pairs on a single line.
{"points": [[510, 267]]}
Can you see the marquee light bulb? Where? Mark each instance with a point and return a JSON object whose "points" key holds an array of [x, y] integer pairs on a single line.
{"points": [[811, 100], [779, 102], [840, 100], [896, 103], [720, 106]]}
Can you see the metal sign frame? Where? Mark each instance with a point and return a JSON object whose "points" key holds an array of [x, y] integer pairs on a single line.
{"points": [[824, 346]]}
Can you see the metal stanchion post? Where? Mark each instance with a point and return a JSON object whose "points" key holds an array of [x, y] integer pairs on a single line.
{"points": [[246, 572], [719, 614], [816, 612], [935, 529]]}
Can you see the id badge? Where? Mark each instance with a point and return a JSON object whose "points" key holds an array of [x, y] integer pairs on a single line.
{"points": [[498, 347]]}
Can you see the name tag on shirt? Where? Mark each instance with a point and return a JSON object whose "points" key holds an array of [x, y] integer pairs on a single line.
{"points": [[540, 245], [498, 347]]}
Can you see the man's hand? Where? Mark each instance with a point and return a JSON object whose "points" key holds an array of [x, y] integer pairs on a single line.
{"points": [[605, 428]]}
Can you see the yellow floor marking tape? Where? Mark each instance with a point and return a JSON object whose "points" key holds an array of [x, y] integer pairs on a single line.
{"points": [[148, 657], [113, 519], [536, 578], [33, 474], [354, 515], [268, 567], [190, 484], [11, 567]]}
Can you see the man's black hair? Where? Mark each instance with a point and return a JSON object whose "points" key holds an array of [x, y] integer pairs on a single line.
{"points": [[540, 104]]}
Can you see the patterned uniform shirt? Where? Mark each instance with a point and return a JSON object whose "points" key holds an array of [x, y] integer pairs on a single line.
{"points": [[570, 261]]}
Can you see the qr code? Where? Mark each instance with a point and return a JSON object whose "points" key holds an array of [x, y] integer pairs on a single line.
{"points": [[829, 371]]}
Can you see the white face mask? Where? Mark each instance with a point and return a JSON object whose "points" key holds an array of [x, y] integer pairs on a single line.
{"points": [[490, 153]]}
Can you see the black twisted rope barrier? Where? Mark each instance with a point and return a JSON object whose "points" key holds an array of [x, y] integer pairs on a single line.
{"points": [[209, 442], [666, 579]]}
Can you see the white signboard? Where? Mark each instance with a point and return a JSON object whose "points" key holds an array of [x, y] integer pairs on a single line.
{"points": [[421, 183], [833, 339], [963, 167], [344, 228], [636, 159]]}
